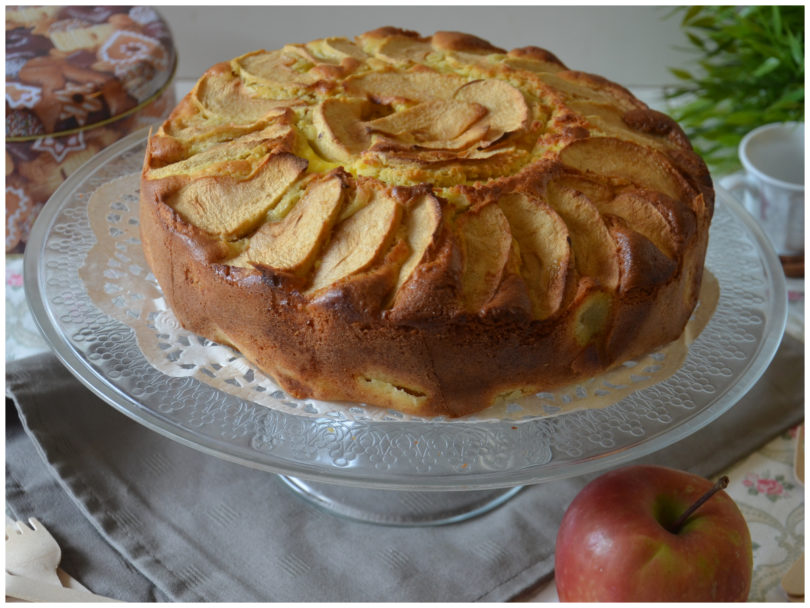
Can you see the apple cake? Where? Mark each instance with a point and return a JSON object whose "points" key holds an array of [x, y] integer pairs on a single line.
{"points": [[427, 224]]}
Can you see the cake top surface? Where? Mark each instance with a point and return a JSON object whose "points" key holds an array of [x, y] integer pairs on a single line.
{"points": [[360, 145]]}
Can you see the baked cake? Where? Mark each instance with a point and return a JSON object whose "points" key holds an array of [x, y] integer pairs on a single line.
{"points": [[427, 224]]}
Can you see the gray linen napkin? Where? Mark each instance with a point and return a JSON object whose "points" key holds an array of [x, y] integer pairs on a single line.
{"points": [[192, 527]]}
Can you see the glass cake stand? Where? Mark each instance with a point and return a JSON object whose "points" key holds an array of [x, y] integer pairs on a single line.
{"points": [[395, 470]]}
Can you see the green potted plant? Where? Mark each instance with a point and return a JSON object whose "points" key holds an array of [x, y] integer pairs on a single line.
{"points": [[749, 71]]}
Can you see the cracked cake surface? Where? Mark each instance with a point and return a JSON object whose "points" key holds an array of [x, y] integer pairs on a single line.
{"points": [[427, 224]]}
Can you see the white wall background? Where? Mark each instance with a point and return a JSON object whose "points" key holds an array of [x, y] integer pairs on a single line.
{"points": [[632, 45]]}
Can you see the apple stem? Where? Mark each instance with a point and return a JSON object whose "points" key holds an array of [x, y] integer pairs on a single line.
{"points": [[721, 484]]}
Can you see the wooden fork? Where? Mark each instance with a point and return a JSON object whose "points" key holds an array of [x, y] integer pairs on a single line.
{"points": [[32, 552]]}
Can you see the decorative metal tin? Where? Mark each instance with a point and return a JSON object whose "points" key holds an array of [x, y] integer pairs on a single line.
{"points": [[78, 78]]}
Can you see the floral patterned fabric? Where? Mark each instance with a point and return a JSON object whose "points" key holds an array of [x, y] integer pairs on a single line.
{"points": [[22, 335], [772, 488], [771, 498]]}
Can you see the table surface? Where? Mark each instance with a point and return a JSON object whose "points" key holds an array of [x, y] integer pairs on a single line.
{"points": [[764, 483]]}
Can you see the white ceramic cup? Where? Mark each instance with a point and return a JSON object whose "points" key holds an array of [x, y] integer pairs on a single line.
{"points": [[772, 186]]}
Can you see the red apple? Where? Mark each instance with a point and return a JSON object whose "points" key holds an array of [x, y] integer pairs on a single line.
{"points": [[616, 542]]}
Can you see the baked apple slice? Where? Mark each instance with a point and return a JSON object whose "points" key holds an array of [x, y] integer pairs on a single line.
{"points": [[639, 165], [545, 252], [486, 245], [506, 105], [437, 121], [231, 157], [324, 61], [338, 122], [230, 207], [610, 120], [643, 215], [593, 247], [281, 69], [220, 94], [293, 243], [358, 241], [643, 210], [573, 86], [337, 48], [460, 147], [402, 49], [196, 141], [595, 188], [421, 225], [533, 59], [403, 87]]}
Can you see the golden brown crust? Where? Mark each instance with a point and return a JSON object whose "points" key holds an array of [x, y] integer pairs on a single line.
{"points": [[537, 54], [423, 223], [389, 31], [459, 41]]}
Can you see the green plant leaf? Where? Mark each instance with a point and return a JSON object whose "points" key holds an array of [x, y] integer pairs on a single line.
{"points": [[696, 41], [776, 18], [742, 118], [790, 96], [726, 139], [682, 74], [703, 23], [748, 70], [796, 50], [691, 13], [769, 65]]}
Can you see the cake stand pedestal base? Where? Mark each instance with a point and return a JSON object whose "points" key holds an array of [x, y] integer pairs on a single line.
{"points": [[399, 507]]}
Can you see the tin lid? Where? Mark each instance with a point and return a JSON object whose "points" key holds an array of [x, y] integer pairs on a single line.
{"points": [[70, 68]]}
